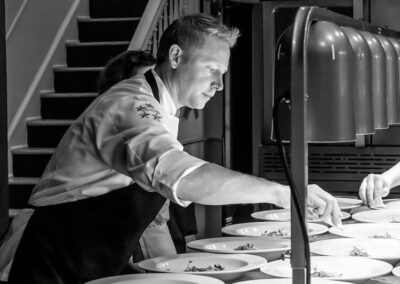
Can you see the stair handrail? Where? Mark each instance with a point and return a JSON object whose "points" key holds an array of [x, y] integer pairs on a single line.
{"points": [[147, 24], [157, 15]]}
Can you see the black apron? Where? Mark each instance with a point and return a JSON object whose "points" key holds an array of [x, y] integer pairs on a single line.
{"points": [[87, 239]]}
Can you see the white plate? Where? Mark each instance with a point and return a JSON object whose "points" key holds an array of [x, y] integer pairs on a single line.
{"points": [[234, 264], [271, 249], [382, 249], [368, 230], [392, 204], [354, 269], [396, 271], [157, 278], [289, 281], [346, 203], [284, 215], [263, 228], [377, 216]]}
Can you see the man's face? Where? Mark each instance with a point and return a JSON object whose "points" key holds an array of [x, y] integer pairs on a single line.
{"points": [[199, 72]]}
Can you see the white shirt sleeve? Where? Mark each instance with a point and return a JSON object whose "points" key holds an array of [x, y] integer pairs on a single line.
{"points": [[135, 142], [180, 164]]}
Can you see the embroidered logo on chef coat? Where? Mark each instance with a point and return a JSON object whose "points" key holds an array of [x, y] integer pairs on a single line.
{"points": [[148, 110]]}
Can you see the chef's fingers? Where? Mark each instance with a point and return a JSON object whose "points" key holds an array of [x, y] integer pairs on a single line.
{"points": [[362, 191], [378, 187], [320, 205], [332, 210], [370, 190], [328, 207], [314, 200], [336, 213], [381, 186]]}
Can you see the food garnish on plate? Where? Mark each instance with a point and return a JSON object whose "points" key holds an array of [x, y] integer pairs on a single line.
{"points": [[385, 235], [246, 247], [276, 233], [192, 268], [324, 274], [356, 251]]}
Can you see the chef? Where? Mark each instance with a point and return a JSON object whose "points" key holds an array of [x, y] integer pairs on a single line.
{"points": [[120, 161]]}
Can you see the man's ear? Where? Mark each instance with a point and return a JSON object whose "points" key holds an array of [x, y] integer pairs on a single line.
{"points": [[175, 54]]}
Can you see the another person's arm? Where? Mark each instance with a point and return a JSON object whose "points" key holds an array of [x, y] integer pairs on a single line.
{"points": [[379, 185]]}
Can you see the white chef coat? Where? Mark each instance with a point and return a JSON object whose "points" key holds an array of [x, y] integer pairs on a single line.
{"points": [[124, 136]]}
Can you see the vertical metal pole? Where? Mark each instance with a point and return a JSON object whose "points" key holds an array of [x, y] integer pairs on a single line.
{"points": [[299, 149], [358, 13], [3, 127], [258, 24]]}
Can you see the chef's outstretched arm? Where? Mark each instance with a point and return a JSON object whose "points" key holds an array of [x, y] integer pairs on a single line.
{"points": [[212, 184]]}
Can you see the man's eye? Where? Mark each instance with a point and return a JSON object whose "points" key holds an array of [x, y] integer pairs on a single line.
{"points": [[212, 70]]}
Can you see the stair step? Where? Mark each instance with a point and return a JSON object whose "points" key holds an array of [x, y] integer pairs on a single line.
{"points": [[30, 162], [76, 79], [93, 54], [64, 105], [46, 133], [112, 29], [20, 190], [116, 8]]}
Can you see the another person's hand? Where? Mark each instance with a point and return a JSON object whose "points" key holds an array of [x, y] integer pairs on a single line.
{"points": [[373, 187], [324, 204]]}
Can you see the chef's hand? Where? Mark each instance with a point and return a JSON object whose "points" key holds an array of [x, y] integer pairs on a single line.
{"points": [[324, 204], [372, 188]]}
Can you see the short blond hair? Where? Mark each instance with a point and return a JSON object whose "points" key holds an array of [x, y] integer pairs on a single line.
{"points": [[189, 31]]}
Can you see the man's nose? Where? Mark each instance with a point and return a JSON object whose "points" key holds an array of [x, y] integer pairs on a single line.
{"points": [[218, 83]]}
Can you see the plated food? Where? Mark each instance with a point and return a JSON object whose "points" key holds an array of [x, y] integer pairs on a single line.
{"points": [[271, 249], [368, 230], [382, 249], [225, 267], [284, 215], [269, 229], [378, 216], [157, 278], [352, 269]]}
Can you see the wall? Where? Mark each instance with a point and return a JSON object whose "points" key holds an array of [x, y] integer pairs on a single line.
{"points": [[385, 13], [36, 43], [12, 9]]}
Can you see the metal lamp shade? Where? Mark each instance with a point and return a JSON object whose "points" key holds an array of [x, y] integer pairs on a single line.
{"points": [[362, 95], [396, 46], [392, 84], [378, 81], [330, 115]]}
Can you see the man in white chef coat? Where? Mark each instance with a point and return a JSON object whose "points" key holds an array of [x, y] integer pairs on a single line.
{"points": [[118, 163]]}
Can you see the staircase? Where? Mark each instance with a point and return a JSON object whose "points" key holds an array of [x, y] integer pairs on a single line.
{"points": [[105, 33]]}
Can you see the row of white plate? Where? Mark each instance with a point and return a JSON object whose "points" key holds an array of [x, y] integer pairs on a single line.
{"points": [[349, 269], [223, 252]]}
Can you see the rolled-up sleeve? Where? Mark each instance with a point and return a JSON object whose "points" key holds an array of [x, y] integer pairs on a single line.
{"points": [[172, 167]]}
